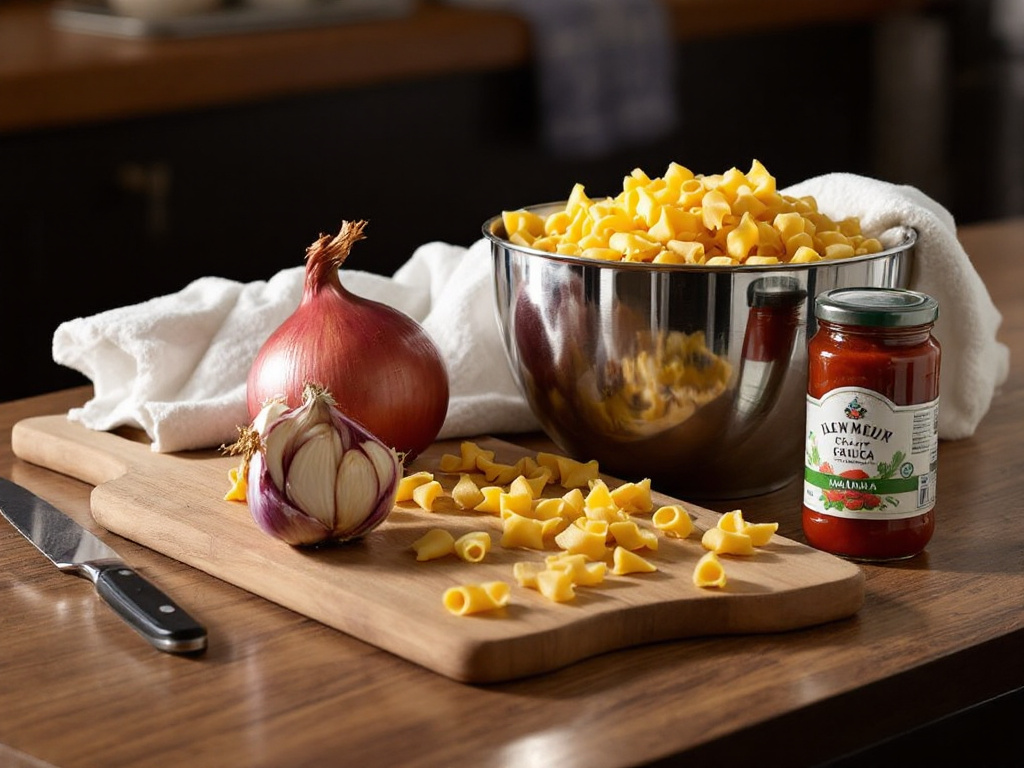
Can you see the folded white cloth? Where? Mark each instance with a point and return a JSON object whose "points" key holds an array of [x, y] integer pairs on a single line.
{"points": [[974, 363], [176, 365]]}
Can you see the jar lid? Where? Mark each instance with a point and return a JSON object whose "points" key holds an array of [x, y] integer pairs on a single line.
{"points": [[880, 307], [775, 292]]}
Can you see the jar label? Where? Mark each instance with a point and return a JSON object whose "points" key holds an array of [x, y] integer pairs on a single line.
{"points": [[868, 458]]}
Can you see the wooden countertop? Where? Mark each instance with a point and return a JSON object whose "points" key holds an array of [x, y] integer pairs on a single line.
{"points": [[50, 77], [937, 634]]}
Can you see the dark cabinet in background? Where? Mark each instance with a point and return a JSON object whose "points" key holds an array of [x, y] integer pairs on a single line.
{"points": [[99, 216]]}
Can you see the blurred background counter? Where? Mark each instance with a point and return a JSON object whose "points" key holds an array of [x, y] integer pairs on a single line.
{"points": [[129, 167], [50, 77]]}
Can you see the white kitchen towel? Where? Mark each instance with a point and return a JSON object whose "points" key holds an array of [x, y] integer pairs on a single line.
{"points": [[176, 365], [974, 363]]}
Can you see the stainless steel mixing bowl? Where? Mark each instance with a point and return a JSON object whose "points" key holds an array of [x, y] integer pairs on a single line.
{"points": [[693, 376]]}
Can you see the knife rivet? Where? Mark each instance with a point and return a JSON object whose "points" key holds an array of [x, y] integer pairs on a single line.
{"points": [[167, 608]]}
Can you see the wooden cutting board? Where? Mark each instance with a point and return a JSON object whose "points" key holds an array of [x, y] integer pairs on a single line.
{"points": [[375, 590]]}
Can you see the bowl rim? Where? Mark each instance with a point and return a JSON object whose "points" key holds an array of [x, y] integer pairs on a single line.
{"points": [[491, 224]]}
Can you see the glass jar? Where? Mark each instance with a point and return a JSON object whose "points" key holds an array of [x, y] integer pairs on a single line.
{"points": [[872, 424]]}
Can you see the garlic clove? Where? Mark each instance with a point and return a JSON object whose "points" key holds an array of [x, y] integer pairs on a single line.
{"points": [[275, 516], [320, 431], [348, 437], [356, 490], [277, 443], [268, 414], [385, 462], [308, 487]]}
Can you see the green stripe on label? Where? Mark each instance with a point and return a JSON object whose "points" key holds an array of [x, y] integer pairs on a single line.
{"points": [[873, 485]]}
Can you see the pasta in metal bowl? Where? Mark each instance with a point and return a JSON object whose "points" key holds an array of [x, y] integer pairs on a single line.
{"points": [[691, 373]]}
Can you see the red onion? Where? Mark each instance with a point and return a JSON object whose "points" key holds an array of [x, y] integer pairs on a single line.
{"points": [[379, 365]]}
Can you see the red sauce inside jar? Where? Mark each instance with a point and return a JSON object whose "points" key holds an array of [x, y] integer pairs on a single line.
{"points": [[873, 390], [774, 315]]}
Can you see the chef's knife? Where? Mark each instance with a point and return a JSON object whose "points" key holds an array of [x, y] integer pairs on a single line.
{"points": [[74, 550]]}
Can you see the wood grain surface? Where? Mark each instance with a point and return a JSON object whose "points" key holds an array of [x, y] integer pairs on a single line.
{"points": [[374, 588]]}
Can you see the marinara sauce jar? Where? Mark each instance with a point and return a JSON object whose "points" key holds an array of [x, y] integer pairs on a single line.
{"points": [[872, 424]]}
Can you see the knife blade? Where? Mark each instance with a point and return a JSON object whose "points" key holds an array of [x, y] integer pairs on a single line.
{"points": [[75, 550]]}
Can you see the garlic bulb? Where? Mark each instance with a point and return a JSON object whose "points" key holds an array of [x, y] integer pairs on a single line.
{"points": [[318, 475]]}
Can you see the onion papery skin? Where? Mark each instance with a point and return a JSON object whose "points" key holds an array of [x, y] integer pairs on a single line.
{"points": [[270, 505], [403, 401], [382, 369]]}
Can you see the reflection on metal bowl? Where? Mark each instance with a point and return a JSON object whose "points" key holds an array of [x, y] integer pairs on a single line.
{"points": [[693, 376]]}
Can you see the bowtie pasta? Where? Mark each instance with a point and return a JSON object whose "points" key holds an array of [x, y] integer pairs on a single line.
{"points": [[723, 219]]}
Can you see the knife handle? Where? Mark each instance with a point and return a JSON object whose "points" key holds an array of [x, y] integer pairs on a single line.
{"points": [[149, 611]]}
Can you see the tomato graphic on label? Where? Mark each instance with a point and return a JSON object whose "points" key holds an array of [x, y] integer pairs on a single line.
{"points": [[850, 499], [855, 474]]}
